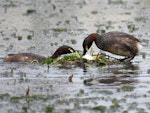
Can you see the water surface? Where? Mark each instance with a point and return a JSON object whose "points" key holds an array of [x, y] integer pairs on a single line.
{"points": [[50, 24]]}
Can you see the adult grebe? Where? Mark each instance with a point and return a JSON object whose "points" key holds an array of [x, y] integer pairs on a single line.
{"points": [[28, 57], [118, 43]]}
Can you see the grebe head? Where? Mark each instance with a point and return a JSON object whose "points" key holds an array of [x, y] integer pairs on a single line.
{"points": [[62, 50], [88, 42]]}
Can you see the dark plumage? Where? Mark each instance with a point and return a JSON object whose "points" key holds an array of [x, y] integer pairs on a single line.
{"points": [[118, 43], [28, 57]]}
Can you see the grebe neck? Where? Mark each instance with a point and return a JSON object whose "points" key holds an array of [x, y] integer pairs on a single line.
{"points": [[87, 43]]}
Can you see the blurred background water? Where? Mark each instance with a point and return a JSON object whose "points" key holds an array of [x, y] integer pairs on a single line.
{"points": [[42, 26]]}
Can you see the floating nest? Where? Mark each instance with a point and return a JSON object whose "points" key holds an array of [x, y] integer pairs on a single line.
{"points": [[76, 59]]}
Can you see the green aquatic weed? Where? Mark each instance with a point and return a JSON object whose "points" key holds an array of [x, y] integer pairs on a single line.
{"points": [[143, 55], [29, 37], [19, 37], [30, 11], [48, 61], [15, 99], [127, 87], [94, 12], [132, 28], [100, 108], [81, 91], [73, 41], [49, 109], [102, 62], [2, 96]]}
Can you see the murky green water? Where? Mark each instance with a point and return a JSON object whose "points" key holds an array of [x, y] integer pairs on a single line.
{"points": [[42, 26]]}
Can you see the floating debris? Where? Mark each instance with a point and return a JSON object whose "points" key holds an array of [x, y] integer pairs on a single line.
{"points": [[70, 78], [27, 90], [90, 81]]}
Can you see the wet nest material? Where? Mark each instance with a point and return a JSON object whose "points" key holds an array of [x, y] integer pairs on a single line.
{"points": [[77, 59]]}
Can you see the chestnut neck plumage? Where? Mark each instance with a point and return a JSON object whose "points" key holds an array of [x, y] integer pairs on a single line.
{"points": [[56, 54]]}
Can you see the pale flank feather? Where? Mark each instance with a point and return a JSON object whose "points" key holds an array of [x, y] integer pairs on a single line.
{"points": [[139, 46]]}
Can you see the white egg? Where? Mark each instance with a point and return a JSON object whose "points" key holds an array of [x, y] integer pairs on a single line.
{"points": [[88, 57]]}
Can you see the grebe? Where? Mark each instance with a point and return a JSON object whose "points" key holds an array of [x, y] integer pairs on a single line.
{"points": [[118, 43], [29, 57]]}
